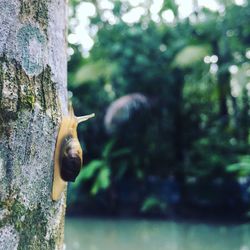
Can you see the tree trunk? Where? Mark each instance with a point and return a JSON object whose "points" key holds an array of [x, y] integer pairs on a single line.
{"points": [[33, 98]]}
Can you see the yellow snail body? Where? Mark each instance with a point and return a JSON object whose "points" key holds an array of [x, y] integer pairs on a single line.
{"points": [[68, 153]]}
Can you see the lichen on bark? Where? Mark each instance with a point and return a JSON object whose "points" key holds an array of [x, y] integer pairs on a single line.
{"points": [[30, 38]]}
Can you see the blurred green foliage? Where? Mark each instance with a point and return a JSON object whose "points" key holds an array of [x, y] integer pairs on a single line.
{"points": [[241, 168], [99, 169], [195, 74], [151, 204]]}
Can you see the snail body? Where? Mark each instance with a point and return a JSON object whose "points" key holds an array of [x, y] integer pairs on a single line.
{"points": [[68, 153]]}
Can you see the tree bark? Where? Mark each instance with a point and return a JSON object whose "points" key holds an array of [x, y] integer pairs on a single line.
{"points": [[33, 98]]}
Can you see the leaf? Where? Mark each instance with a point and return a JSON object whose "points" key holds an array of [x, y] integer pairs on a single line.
{"points": [[102, 181], [241, 168], [151, 203], [92, 72], [191, 55], [107, 149], [88, 171], [245, 158]]}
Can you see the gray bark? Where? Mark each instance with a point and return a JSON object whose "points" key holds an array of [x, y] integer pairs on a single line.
{"points": [[33, 98]]}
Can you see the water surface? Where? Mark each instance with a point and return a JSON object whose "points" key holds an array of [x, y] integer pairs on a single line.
{"points": [[104, 234]]}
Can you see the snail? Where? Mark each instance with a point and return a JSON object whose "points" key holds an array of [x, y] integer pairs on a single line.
{"points": [[68, 153]]}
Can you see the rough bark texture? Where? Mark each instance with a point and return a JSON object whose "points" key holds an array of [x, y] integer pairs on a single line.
{"points": [[33, 98]]}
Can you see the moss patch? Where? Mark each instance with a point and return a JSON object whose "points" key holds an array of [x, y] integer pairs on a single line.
{"points": [[30, 224], [36, 11], [19, 91]]}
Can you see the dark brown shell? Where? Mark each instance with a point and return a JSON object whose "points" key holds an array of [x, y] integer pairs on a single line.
{"points": [[71, 159]]}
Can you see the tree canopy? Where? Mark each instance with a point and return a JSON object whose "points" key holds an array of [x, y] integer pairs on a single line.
{"points": [[194, 125]]}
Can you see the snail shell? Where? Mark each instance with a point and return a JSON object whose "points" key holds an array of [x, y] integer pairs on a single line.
{"points": [[71, 159]]}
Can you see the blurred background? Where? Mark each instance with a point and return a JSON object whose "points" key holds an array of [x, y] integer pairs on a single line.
{"points": [[167, 157]]}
